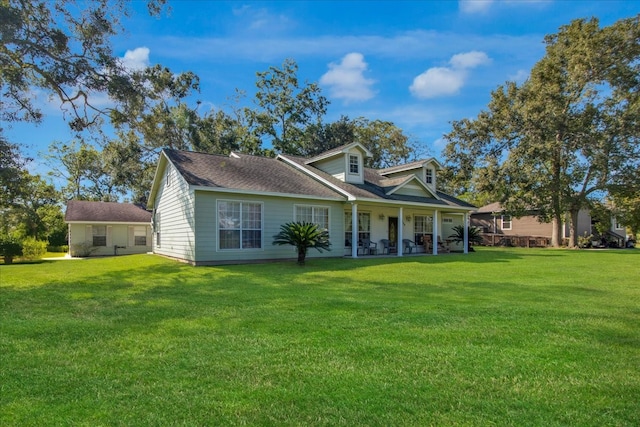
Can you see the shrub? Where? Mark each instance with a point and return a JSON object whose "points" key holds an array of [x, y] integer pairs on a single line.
{"points": [[63, 248], [82, 249], [9, 249], [473, 234], [33, 249]]}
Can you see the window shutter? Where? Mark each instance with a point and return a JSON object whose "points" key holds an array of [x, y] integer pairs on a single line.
{"points": [[88, 234], [130, 236], [109, 235]]}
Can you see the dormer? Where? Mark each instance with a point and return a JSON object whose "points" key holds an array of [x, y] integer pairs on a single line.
{"points": [[345, 163], [424, 170]]}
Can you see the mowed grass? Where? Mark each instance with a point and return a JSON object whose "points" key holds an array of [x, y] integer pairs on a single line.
{"points": [[517, 337]]}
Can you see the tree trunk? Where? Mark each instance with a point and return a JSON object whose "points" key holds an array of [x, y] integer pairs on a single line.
{"points": [[573, 228], [556, 231], [302, 253]]}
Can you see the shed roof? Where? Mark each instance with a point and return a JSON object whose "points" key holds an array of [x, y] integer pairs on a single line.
{"points": [[86, 211]]}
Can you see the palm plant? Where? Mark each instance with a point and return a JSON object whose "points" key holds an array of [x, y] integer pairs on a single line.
{"points": [[302, 235], [473, 234]]}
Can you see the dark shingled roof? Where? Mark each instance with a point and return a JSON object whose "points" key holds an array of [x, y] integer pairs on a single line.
{"points": [[376, 186], [80, 210], [247, 173], [490, 208]]}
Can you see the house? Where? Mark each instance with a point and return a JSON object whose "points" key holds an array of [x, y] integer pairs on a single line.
{"points": [[499, 227], [107, 228], [214, 209]]}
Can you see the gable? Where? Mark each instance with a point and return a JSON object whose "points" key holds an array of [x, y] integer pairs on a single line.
{"points": [[409, 186]]}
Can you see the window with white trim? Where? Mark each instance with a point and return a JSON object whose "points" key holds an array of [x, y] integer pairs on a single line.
{"points": [[354, 164], [364, 227], [447, 220], [99, 233], [422, 226], [239, 225], [140, 235], [618, 225], [318, 215], [428, 176], [506, 222]]}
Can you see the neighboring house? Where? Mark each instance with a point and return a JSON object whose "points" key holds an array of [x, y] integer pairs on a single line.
{"points": [[213, 209], [107, 228], [500, 227]]}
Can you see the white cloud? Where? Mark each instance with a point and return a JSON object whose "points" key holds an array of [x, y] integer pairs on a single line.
{"points": [[469, 60], [136, 59], [474, 6], [346, 80], [437, 81], [442, 81]]}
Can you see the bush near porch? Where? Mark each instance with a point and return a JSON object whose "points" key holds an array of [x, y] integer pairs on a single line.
{"points": [[503, 336]]}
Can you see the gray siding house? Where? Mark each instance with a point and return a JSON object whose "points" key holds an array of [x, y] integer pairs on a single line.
{"points": [[214, 209], [495, 223]]}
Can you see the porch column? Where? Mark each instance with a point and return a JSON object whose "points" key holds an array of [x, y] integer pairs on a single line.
{"points": [[435, 232], [354, 230], [465, 240], [400, 231]]}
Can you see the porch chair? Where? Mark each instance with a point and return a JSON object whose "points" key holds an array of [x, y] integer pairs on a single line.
{"points": [[408, 245], [386, 246], [369, 247]]}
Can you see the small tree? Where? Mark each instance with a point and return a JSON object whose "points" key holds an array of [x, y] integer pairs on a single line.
{"points": [[9, 249], [473, 235], [303, 235]]}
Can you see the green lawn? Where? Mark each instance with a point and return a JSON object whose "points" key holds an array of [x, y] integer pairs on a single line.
{"points": [[515, 337]]}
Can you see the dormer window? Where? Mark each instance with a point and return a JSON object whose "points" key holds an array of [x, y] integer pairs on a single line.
{"points": [[354, 164], [429, 176]]}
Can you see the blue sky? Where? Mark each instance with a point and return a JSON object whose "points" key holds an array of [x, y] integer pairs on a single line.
{"points": [[419, 64]]}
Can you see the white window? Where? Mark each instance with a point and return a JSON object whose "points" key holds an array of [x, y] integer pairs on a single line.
{"points": [[318, 215], [239, 225], [140, 235], [429, 176], [422, 225], [618, 225], [364, 227], [99, 235], [447, 220], [506, 222], [354, 164], [169, 178]]}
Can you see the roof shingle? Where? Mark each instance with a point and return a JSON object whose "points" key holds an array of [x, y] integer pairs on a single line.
{"points": [[82, 210], [247, 173]]}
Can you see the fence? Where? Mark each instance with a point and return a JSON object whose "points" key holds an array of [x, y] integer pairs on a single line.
{"points": [[521, 241]]}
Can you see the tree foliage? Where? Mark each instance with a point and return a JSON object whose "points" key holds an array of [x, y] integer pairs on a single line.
{"points": [[565, 135], [64, 48], [285, 108]]}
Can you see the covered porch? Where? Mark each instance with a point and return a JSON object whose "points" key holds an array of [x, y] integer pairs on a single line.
{"points": [[385, 229]]}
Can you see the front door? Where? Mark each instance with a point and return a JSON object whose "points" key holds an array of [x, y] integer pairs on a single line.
{"points": [[393, 233]]}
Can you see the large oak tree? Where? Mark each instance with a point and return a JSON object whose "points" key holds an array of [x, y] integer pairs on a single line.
{"points": [[564, 136]]}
